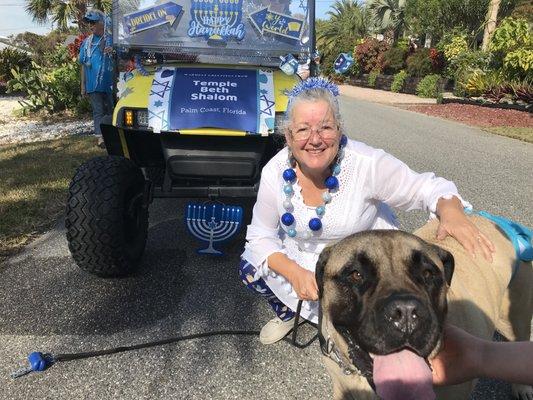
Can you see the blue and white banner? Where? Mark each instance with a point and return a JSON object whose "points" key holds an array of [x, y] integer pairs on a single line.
{"points": [[190, 98], [276, 23], [217, 20], [151, 17], [343, 63]]}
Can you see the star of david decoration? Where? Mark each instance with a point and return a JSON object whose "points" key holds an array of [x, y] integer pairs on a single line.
{"points": [[160, 92], [269, 104]]}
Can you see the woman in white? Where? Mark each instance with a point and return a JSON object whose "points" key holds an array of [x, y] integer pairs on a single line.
{"points": [[323, 187]]}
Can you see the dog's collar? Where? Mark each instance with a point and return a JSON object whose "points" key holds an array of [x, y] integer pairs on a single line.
{"points": [[359, 362]]}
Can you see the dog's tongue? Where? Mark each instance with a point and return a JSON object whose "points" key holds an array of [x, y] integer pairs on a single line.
{"points": [[403, 376]]}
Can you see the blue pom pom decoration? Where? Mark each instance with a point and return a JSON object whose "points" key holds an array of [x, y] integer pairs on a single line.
{"points": [[287, 219], [313, 83]]}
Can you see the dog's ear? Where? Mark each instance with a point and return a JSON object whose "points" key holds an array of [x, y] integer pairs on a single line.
{"points": [[319, 270], [447, 261]]}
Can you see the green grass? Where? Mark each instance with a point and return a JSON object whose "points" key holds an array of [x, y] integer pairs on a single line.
{"points": [[525, 134], [34, 179]]}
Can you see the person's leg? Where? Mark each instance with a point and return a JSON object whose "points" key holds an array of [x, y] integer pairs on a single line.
{"points": [[97, 104], [247, 274], [109, 104]]}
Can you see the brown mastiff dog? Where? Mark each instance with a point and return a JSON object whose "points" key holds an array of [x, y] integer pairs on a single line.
{"points": [[385, 295]]}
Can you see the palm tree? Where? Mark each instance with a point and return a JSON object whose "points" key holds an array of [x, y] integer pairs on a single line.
{"points": [[389, 15], [61, 12], [349, 20], [490, 25]]}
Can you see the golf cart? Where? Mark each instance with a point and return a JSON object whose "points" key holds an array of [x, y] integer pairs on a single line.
{"points": [[200, 96]]}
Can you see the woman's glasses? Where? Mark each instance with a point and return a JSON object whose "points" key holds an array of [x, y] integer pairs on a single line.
{"points": [[328, 130]]}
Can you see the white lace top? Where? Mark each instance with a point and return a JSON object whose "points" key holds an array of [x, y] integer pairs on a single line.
{"points": [[370, 180]]}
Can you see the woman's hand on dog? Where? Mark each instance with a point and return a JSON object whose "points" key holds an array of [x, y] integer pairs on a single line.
{"points": [[454, 222]]}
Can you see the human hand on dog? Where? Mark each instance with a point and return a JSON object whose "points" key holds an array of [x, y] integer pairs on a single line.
{"points": [[457, 360], [454, 222], [304, 284]]}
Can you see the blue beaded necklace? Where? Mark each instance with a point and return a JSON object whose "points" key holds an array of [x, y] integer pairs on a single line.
{"points": [[331, 182]]}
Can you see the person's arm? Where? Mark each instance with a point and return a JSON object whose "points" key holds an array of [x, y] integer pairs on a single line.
{"points": [[81, 60], [464, 357], [264, 248], [394, 183], [302, 281]]}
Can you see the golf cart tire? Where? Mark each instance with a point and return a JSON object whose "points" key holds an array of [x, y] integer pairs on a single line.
{"points": [[106, 218]]}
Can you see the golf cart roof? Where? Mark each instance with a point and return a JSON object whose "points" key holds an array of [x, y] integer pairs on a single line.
{"points": [[255, 32]]}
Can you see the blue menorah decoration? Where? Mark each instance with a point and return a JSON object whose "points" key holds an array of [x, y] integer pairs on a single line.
{"points": [[213, 223], [216, 20]]}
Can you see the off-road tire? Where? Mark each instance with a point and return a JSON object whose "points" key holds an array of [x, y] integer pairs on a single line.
{"points": [[106, 220]]}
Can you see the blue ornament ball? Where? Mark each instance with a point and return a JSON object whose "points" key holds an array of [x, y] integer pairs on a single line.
{"points": [[289, 175], [320, 210], [336, 170], [291, 232], [326, 196], [315, 224], [331, 182], [287, 219]]}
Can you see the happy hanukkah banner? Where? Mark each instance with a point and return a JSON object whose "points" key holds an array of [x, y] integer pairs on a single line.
{"points": [[190, 98], [216, 20]]}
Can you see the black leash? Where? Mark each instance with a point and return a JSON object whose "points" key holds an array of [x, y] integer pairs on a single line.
{"points": [[39, 362]]}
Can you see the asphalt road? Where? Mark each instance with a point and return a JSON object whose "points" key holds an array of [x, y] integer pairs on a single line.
{"points": [[49, 305]]}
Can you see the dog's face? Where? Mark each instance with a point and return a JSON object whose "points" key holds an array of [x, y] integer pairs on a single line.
{"points": [[385, 291]]}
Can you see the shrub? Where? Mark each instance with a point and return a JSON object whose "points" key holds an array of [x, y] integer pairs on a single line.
{"points": [[455, 47], [372, 78], [467, 63], [437, 60], [479, 82], [522, 91], [369, 54], [74, 47], [428, 86], [394, 59], [512, 45], [50, 89], [399, 81], [519, 62], [11, 58], [419, 64], [511, 34]]}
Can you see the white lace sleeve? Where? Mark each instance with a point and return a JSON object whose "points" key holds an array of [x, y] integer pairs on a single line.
{"points": [[263, 232], [397, 185]]}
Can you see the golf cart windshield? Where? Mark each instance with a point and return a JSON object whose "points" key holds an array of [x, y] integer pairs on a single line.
{"points": [[253, 32]]}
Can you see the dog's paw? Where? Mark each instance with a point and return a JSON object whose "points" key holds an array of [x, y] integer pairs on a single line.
{"points": [[522, 392]]}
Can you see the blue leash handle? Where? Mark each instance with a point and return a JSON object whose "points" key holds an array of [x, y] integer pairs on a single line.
{"points": [[38, 362]]}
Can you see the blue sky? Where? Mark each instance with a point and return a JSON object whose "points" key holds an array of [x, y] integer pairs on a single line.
{"points": [[15, 20]]}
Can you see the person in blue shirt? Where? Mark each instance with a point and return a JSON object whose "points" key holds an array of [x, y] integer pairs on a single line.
{"points": [[97, 69]]}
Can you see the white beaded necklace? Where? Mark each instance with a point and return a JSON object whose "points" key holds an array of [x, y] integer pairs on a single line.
{"points": [[331, 182]]}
